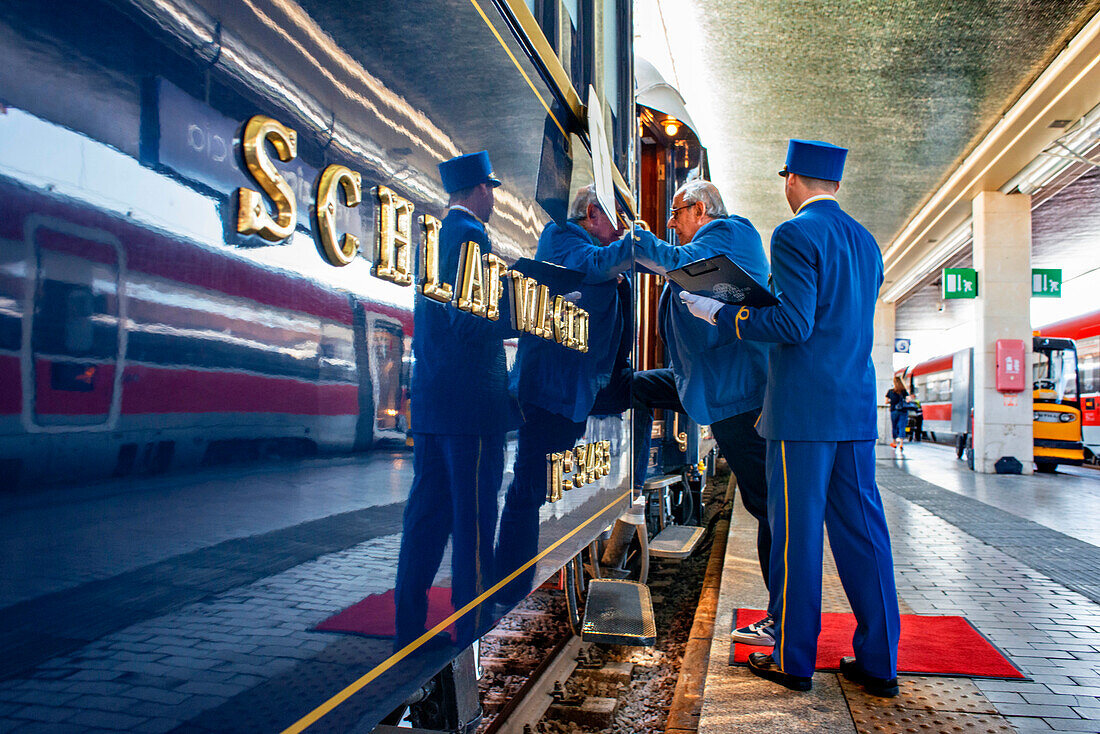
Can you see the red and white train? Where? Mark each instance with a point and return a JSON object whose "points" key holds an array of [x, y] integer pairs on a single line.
{"points": [[1085, 332], [931, 382]]}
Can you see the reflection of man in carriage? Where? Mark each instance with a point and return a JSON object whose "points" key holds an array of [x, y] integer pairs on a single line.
{"points": [[558, 388], [460, 414]]}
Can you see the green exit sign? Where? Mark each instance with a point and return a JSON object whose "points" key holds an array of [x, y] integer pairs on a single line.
{"points": [[1046, 282], [960, 283]]}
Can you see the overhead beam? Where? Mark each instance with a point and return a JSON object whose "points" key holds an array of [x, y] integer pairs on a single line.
{"points": [[1066, 90]]}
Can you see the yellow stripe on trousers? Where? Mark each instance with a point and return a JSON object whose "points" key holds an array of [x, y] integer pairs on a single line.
{"points": [[786, 546]]}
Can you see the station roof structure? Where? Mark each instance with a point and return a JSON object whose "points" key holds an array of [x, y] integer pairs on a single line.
{"points": [[936, 100]]}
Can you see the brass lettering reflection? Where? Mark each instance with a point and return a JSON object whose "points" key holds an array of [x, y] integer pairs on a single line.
{"points": [[333, 178], [564, 313], [252, 215], [495, 270], [393, 247], [587, 463], [480, 282], [544, 327], [430, 285], [470, 295], [523, 295], [535, 312]]}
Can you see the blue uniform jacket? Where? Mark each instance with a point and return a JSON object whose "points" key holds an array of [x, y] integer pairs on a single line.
{"points": [[565, 381], [716, 375], [460, 376], [821, 382]]}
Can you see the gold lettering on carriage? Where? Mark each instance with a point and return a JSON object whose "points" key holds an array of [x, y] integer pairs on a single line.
{"points": [[586, 463], [479, 284]]}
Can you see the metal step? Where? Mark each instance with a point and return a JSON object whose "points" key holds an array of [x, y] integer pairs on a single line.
{"points": [[675, 541], [618, 613], [662, 482]]}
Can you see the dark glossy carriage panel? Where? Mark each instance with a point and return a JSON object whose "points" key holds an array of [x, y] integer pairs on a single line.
{"points": [[193, 414]]}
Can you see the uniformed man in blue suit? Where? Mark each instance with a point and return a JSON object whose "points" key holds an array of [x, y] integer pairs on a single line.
{"points": [[712, 376], [819, 421], [460, 413]]}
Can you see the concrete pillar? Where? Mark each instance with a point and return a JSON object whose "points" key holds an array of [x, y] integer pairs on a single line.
{"points": [[882, 354], [1002, 257]]}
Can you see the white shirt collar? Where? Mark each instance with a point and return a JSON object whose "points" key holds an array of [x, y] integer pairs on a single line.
{"points": [[812, 199], [461, 208]]}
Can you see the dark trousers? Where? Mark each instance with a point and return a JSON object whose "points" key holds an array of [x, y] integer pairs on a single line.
{"points": [[737, 438], [454, 495], [542, 433], [899, 419], [811, 482]]}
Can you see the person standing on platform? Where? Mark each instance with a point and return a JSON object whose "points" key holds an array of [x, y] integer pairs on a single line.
{"points": [[828, 270], [714, 377], [899, 413]]}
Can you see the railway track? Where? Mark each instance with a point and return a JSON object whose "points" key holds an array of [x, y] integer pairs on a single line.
{"points": [[539, 678]]}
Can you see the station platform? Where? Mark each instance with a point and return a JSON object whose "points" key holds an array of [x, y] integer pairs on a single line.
{"points": [[1018, 556]]}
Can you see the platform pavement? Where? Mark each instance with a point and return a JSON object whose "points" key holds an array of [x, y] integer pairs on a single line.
{"points": [[986, 573]]}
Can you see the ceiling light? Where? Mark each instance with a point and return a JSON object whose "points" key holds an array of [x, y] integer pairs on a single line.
{"points": [[1067, 149], [671, 127]]}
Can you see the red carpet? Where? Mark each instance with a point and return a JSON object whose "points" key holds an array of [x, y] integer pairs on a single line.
{"points": [[374, 616], [929, 646]]}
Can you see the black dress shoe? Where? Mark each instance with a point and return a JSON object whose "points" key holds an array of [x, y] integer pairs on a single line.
{"points": [[884, 687], [764, 665]]}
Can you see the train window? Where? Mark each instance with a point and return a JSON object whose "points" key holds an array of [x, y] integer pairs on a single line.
{"points": [[609, 58], [1088, 354], [75, 331], [1056, 370], [616, 77], [387, 349]]}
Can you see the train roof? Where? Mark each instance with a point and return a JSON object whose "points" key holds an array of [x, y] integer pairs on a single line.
{"points": [[1078, 327]]}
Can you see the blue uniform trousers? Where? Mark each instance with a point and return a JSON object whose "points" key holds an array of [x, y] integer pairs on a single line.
{"points": [[542, 433], [832, 481], [454, 495]]}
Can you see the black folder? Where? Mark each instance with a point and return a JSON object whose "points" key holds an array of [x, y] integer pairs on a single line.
{"points": [[722, 279], [559, 279]]}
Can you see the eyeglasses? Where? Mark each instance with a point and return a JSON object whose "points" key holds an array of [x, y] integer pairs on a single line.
{"points": [[676, 209]]}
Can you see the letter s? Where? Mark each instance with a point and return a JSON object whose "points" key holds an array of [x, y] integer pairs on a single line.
{"points": [[252, 216]]}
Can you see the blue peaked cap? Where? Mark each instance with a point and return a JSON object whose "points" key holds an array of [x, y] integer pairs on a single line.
{"points": [[466, 171], [815, 159]]}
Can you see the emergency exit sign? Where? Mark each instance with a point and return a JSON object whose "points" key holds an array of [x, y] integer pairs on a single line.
{"points": [[1046, 282], [960, 283]]}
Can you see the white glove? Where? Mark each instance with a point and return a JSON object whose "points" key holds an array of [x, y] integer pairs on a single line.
{"points": [[701, 306], [572, 296]]}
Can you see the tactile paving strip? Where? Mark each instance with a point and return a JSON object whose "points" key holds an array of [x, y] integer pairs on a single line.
{"points": [[905, 721], [925, 704], [958, 695]]}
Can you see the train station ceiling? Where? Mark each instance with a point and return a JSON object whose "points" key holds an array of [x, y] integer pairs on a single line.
{"points": [[909, 86]]}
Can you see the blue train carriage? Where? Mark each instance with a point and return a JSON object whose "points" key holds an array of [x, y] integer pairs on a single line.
{"points": [[223, 232]]}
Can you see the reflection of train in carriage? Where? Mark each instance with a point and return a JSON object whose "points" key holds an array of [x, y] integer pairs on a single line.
{"points": [[1065, 371], [177, 295], [146, 353]]}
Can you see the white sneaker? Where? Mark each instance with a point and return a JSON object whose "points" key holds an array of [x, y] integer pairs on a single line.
{"points": [[761, 633]]}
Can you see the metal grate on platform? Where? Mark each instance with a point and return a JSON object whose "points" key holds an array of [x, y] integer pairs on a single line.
{"points": [[618, 613], [675, 541]]}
